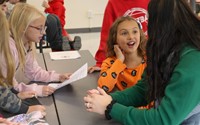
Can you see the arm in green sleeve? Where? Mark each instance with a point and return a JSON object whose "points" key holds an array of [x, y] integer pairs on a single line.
{"points": [[133, 96], [182, 95]]}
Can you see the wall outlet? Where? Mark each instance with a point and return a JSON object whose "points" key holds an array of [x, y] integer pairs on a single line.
{"points": [[90, 14]]}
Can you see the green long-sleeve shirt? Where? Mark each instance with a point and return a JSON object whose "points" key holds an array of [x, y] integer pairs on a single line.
{"points": [[182, 95]]}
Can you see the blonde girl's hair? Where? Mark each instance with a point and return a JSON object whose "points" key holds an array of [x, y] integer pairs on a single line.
{"points": [[21, 17], [5, 52], [112, 37]]}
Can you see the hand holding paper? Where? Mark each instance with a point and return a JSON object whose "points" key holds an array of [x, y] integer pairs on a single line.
{"points": [[79, 74]]}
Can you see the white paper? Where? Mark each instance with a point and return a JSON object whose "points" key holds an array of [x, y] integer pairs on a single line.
{"points": [[64, 55], [77, 75], [29, 119]]}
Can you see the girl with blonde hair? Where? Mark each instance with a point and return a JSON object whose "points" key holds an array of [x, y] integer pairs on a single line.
{"points": [[9, 101], [27, 25]]}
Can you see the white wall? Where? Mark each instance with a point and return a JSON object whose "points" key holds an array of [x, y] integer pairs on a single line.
{"points": [[77, 12]]}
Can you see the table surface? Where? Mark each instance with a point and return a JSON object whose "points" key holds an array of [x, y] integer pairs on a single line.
{"points": [[51, 116], [69, 99], [69, 65]]}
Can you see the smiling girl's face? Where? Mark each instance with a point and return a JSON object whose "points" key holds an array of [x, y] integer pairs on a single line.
{"points": [[128, 36]]}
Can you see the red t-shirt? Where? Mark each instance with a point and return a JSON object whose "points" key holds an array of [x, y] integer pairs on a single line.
{"points": [[57, 8]]}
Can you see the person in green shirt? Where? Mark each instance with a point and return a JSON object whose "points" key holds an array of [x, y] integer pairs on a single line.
{"points": [[171, 79]]}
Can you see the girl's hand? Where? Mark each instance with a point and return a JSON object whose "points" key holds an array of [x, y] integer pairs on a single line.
{"points": [[37, 108], [97, 102], [47, 90], [64, 77], [45, 4], [93, 69], [26, 94], [93, 91], [119, 53]]}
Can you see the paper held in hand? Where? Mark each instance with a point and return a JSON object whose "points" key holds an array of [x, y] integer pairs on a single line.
{"points": [[79, 74], [64, 55]]}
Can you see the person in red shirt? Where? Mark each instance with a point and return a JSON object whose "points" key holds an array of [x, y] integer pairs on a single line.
{"points": [[57, 7], [56, 21], [114, 9]]}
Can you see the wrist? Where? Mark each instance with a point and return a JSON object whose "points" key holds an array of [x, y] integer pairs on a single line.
{"points": [[20, 96], [60, 78], [108, 109]]}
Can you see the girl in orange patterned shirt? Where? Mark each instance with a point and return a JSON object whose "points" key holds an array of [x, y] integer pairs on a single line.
{"points": [[125, 60]]}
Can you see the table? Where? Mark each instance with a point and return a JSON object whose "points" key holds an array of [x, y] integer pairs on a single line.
{"points": [[48, 102], [69, 99], [69, 65]]}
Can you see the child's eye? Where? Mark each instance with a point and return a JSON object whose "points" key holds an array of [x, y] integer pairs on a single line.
{"points": [[124, 33], [135, 31]]}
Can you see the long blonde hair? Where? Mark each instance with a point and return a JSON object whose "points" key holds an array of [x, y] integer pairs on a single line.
{"points": [[22, 15], [5, 52]]}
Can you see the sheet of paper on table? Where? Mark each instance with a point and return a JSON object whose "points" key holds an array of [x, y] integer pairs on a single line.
{"points": [[77, 75], [64, 55]]}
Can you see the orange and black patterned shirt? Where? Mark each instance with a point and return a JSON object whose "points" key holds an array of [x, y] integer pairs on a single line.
{"points": [[115, 73]]}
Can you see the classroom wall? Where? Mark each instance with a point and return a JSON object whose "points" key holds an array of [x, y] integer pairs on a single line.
{"points": [[80, 13]]}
